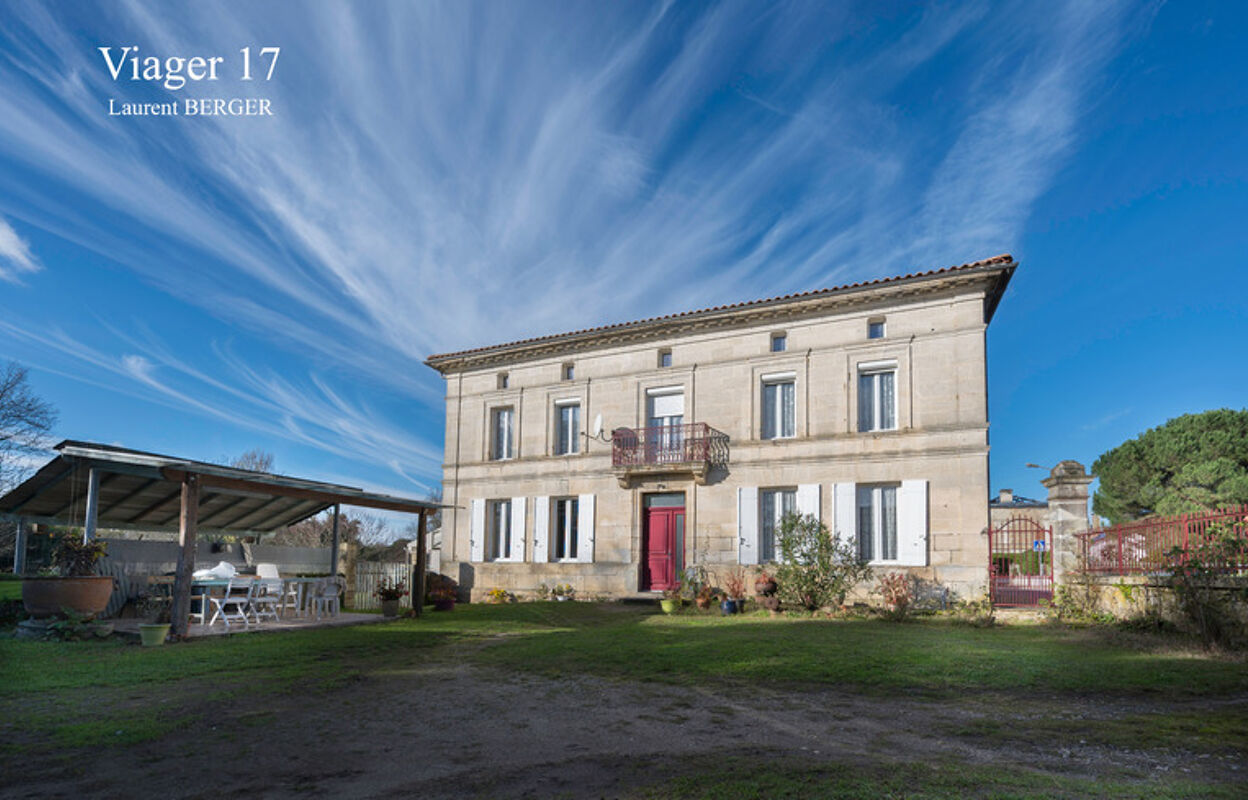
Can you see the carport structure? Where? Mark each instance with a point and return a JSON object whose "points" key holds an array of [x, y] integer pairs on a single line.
{"points": [[102, 486]]}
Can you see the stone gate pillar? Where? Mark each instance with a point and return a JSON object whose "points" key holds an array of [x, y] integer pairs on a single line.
{"points": [[1068, 514]]}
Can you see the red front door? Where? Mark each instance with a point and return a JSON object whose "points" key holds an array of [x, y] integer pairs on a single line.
{"points": [[661, 526]]}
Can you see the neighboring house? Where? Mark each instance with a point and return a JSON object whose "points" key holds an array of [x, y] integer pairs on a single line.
{"points": [[614, 457], [1007, 505]]}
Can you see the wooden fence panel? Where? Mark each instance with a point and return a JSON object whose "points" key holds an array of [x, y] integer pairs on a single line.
{"points": [[368, 578]]}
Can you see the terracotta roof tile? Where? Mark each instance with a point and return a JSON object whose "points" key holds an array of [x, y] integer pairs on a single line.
{"points": [[1004, 258]]}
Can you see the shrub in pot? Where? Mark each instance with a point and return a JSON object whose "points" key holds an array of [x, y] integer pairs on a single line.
{"points": [[443, 599], [156, 611], [671, 598], [390, 593], [72, 584]]}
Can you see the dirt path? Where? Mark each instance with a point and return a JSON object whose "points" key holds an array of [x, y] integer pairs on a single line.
{"points": [[449, 729]]}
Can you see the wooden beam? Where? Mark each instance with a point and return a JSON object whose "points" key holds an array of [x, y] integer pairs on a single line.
{"points": [[187, 533], [155, 506], [270, 487], [143, 487], [418, 585], [19, 548], [60, 476], [93, 504], [333, 543]]}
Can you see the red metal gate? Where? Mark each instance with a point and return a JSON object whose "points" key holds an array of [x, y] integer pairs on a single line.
{"points": [[1020, 563]]}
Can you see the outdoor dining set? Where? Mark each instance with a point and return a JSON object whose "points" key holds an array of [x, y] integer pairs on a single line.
{"points": [[252, 599]]}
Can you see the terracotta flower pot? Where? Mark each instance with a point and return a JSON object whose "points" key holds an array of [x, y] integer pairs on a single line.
{"points": [[48, 597]]}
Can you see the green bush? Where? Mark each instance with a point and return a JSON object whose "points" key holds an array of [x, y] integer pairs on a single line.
{"points": [[815, 569]]}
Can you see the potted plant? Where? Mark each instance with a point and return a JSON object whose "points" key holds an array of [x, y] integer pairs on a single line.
{"points": [[705, 596], [443, 598], [765, 585], [563, 592], [72, 583], [155, 609], [390, 593], [734, 585], [671, 598], [498, 596]]}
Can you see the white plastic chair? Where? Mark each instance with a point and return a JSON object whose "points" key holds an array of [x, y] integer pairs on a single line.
{"points": [[266, 598], [235, 599], [289, 591], [327, 599]]}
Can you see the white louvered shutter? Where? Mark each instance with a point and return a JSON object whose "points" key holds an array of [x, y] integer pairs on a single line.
{"points": [[541, 529], [585, 528], [808, 500], [476, 531], [517, 529], [845, 514], [912, 523], [747, 524]]}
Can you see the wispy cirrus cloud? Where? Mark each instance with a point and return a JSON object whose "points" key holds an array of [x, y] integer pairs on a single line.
{"points": [[441, 176], [15, 255]]}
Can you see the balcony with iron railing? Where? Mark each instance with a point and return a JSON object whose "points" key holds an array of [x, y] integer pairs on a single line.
{"points": [[694, 448]]}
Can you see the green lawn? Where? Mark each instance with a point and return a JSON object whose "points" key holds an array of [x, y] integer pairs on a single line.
{"points": [[88, 694], [928, 656], [10, 589]]}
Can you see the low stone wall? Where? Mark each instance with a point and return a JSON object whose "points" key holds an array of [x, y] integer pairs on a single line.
{"points": [[1136, 596]]}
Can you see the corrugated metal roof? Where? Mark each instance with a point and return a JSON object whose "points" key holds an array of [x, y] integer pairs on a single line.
{"points": [[141, 490]]}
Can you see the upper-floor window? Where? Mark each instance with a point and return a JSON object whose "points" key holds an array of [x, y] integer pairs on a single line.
{"points": [[569, 372], [503, 380], [501, 433], [665, 358], [875, 329], [567, 427], [773, 504], [564, 544], [498, 536], [877, 404], [877, 523], [779, 342], [779, 407]]}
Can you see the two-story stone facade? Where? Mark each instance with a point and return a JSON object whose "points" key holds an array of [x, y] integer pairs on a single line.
{"points": [[612, 458]]}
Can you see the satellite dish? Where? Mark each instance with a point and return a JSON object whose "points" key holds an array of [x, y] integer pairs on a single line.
{"points": [[597, 426]]}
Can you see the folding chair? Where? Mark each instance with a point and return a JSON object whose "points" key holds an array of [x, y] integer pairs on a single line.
{"points": [[266, 598], [234, 599]]}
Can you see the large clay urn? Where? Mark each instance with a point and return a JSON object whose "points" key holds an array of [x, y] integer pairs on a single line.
{"points": [[47, 597]]}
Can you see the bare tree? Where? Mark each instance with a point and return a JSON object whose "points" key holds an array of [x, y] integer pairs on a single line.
{"points": [[255, 460], [25, 422], [318, 531]]}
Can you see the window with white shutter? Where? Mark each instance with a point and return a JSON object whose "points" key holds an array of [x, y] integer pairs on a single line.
{"points": [[476, 531], [585, 528], [747, 525], [773, 505], [516, 551], [541, 525], [912, 523]]}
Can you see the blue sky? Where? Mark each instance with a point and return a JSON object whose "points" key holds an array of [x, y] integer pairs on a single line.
{"points": [[440, 176]]}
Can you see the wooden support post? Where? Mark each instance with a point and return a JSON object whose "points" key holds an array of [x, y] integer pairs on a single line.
{"points": [[418, 583], [333, 556], [93, 504], [19, 548], [187, 531]]}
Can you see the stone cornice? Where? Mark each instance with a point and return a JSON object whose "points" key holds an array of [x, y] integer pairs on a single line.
{"points": [[989, 277]]}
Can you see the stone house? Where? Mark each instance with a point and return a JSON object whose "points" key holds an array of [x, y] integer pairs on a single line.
{"points": [[612, 458]]}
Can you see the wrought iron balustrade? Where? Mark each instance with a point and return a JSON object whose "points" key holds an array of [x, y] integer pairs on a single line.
{"points": [[695, 443]]}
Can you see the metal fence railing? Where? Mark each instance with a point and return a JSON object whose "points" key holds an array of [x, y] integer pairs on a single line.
{"points": [[1141, 547]]}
